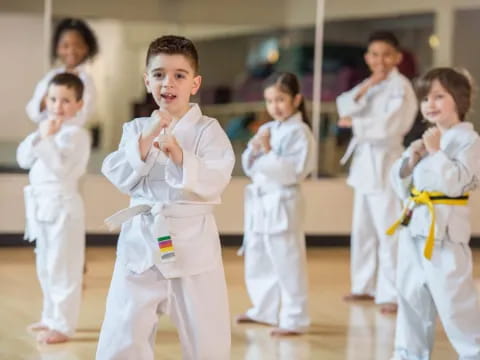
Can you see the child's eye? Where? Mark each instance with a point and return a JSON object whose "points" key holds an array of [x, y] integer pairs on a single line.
{"points": [[179, 76], [158, 75]]}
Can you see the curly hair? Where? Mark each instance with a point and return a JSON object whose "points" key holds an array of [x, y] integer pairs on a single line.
{"points": [[80, 26]]}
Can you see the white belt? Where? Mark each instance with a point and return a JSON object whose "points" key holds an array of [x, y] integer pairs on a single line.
{"points": [[32, 196], [350, 149], [387, 143], [263, 202], [159, 211]]}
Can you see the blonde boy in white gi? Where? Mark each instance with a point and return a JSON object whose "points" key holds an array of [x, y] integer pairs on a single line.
{"points": [[57, 156], [380, 110], [174, 165], [434, 177]]}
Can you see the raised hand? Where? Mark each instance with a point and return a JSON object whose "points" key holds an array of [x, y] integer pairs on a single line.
{"points": [[431, 139], [161, 120], [170, 147], [345, 122], [264, 139], [417, 152], [49, 127]]}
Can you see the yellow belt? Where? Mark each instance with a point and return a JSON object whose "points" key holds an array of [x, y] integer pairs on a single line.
{"points": [[428, 198]]}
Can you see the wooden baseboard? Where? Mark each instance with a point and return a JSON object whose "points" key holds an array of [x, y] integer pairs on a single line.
{"points": [[227, 240]]}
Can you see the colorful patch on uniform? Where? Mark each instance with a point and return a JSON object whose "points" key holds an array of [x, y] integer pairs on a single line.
{"points": [[165, 245]]}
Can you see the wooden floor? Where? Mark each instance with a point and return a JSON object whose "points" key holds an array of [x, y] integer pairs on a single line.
{"points": [[339, 330]]}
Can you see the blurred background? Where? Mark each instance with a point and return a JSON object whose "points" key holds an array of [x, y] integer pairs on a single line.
{"points": [[240, 43]]}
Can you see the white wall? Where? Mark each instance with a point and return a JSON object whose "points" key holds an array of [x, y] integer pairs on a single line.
{"points": [[21, 66]]}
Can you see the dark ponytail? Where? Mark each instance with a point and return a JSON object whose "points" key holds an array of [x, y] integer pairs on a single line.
{"points": [[288, 83]]}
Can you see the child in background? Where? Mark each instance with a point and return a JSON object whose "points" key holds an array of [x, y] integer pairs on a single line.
{"points": [[278, 159], [380, 111], [174, 165], [73, 44], [57, 156], [434, 177]]}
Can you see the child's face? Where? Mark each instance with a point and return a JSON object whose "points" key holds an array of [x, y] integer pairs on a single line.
{"points": [[280, 105], [172, 80], [381, 57], [62, 102], [72, 48], [439, 107]]}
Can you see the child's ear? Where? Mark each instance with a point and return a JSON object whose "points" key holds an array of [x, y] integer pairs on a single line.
{"points": [[79, 104], [399, 58], [147, 83], [197, 81], [297, 100]]}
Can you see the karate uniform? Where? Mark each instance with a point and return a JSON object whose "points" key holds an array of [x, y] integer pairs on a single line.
{"points": [[55, 219], [89, 94], [191, 289], [380, 119], [444, 284], [274, 240]]}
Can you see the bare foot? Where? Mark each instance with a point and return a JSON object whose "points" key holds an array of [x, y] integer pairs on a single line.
{"points": [[37, 326], [388, 308], [52, 337], [358, 297], [244, 319], [284, 332]]}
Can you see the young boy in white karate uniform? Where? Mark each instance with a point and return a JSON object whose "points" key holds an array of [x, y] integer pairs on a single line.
{"points": [[174, 165], [380, 111], [434, 177], [57, 156]]}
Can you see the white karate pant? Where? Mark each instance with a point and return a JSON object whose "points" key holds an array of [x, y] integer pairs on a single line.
{"points": [[442, 285], [276, 279], [197, 305], [60, 253], [373, 253]]}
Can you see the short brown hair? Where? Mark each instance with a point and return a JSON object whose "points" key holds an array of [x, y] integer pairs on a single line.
{"points": [[386, 37], [458, 85], [71, 81], [174, 45]]}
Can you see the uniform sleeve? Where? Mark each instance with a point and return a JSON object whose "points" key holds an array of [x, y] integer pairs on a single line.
{"points": [[249, 156], [33, 106], [346, 104], [394, 119], [125, 167], [453, 176], [401, 185], [26, 155], [208, 172], [248, 159], [66, 154], [292, 162]]}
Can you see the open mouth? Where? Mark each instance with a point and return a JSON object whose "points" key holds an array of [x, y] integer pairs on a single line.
{"points": [[168, 96], [433, 114]]}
